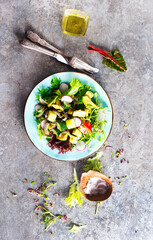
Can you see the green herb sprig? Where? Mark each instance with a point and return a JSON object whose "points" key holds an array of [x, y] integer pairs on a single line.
{"points": [[41, 191], [55, 82], [48, 217], [75, 228], [43, 92]]}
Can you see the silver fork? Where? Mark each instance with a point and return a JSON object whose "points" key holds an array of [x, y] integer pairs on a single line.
{"points": [[59, 55]]}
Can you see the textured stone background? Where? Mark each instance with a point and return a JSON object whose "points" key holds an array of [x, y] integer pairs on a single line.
{"points": [[127, 25]]}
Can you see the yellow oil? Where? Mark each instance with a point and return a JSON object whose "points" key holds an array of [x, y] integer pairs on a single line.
{"points": [[75, 22]]}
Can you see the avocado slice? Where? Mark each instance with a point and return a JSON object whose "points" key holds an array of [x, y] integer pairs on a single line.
{"points": [[87, 111], [79, 113], [70, 123], [77, 133], [73, 139], [63, 136], [70, 111], [58, 106], [89, 94], [51, 116], [87, 101]]}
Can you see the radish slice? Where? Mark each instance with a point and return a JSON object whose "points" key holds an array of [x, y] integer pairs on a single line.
{"points": [[57, 113], [80, 146], [41, 112], [78, 122], [54, 126], [42, 101], [83, 129], [40, 115], [101, 115], [63, 87], [66, 98], [43, 123], [37, 107], [46, 128], [46, 114], [65, 117]]}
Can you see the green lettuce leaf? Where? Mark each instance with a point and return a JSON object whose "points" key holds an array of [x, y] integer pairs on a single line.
{"points": [[120, 66], [75, 85], [94, 163], [82, 90]]}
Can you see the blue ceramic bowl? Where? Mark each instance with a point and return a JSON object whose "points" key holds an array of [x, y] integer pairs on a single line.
{"points": [[31, 126]]}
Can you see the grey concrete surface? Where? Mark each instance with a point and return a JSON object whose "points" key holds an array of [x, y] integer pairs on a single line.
{"points": [[127, 25]]}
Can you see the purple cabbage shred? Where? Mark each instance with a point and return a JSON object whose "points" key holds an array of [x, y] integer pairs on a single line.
{"points": [[62, 146]]}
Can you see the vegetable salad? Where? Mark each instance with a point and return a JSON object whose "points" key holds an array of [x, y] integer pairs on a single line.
{"points": [[69, 115]]}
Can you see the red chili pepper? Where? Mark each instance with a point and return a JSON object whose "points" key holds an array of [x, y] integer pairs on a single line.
{"points": [[88, 126]]}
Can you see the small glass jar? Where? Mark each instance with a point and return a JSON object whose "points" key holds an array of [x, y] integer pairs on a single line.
{"points": [[75, 22]]}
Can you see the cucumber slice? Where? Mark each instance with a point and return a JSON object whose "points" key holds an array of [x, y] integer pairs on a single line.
{"points": [[51, 116]]}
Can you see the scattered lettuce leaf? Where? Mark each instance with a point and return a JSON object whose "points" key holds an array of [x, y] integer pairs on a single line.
{"points": [[117, 56], [75, 195], [94, 163], [33, 182], [75, 228], [113, 59]]}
